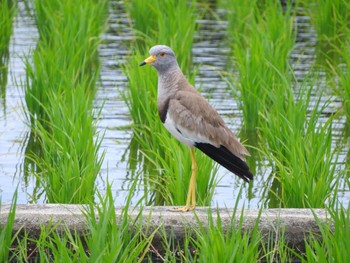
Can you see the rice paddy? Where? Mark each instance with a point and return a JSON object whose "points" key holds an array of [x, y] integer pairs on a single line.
{"points": [[8, 11], [287, 96]]}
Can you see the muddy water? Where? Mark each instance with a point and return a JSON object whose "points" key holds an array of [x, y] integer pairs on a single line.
{"points": [[210, 51]]}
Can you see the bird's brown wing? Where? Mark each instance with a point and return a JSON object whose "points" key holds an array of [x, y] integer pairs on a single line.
{"points": [[197, 119]]}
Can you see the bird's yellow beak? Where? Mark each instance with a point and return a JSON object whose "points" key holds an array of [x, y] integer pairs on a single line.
{"points": [[148, 60]]}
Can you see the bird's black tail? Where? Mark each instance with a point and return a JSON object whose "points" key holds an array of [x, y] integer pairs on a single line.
{"points": [[227, 159]]}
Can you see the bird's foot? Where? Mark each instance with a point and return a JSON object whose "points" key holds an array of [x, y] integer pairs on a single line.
{"points": [[183, 209]]}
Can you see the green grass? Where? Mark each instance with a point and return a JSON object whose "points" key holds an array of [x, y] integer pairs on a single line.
{"points": [[6, 231], [261, 40], [335, 239], [299, 146], [168, 22], [59, 92], [66, 54], [291, 136], [213, 244], [107, 239], [69, 161], [341, 81], [330, 20], [8, 11]]}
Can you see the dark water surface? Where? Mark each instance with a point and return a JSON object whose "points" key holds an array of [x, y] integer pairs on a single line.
{"points": [[210, 52]]}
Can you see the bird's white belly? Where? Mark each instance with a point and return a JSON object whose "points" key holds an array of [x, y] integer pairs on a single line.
{"points": [[182, 134], [171, 127]]}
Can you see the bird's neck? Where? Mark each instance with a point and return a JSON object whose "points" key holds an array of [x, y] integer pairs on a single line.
{"points": [[168, 85], [168, 81]]}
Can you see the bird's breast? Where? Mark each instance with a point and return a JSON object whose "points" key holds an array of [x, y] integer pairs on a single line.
{"points": [[163, 107]]}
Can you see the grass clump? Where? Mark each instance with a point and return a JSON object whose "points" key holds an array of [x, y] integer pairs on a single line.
{"points": [[6, 237], [107, 238], [236, 244], [261, 38], [330, 20], [61, 84], [168, 22], [216, 240], [8, 10], [333, 245], [342, 80], [299, 146]]}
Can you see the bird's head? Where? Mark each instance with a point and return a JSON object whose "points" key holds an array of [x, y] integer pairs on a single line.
{"points": [[161, 57]]}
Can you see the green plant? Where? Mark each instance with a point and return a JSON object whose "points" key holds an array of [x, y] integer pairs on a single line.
{"points": [[8, 11], [334, 242], [261, 40], [168, 22], [107, 239], [6, 236], [59, 92], [300, 148], [236, 244], [330, 20]]}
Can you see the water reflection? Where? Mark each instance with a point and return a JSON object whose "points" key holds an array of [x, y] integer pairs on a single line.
{"points": [[32, 151]]}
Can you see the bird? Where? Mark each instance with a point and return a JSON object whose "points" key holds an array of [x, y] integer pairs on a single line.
{"points": [[189, 117]]}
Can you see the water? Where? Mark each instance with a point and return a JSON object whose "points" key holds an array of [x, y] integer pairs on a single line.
{"points": [[210, 52]]}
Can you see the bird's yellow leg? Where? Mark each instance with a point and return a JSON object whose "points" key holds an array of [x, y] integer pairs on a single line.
{"points": [[191, 195], [193, 179]]}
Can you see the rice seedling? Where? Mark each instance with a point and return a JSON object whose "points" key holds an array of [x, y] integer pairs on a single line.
{"points": [[267, 102], [8, 10], [110, 239], [300, 148], [73, 40], [330, 20], [262, 39], [69, 161], [107, 238], [333, 245], [210, 242], [241, 20], [60, 87], [237, 244], [275, 248], [6, 237], [341, 85], [168, 22]]}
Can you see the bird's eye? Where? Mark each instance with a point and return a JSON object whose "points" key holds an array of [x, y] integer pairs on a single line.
{"points": [[162, 54]]}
